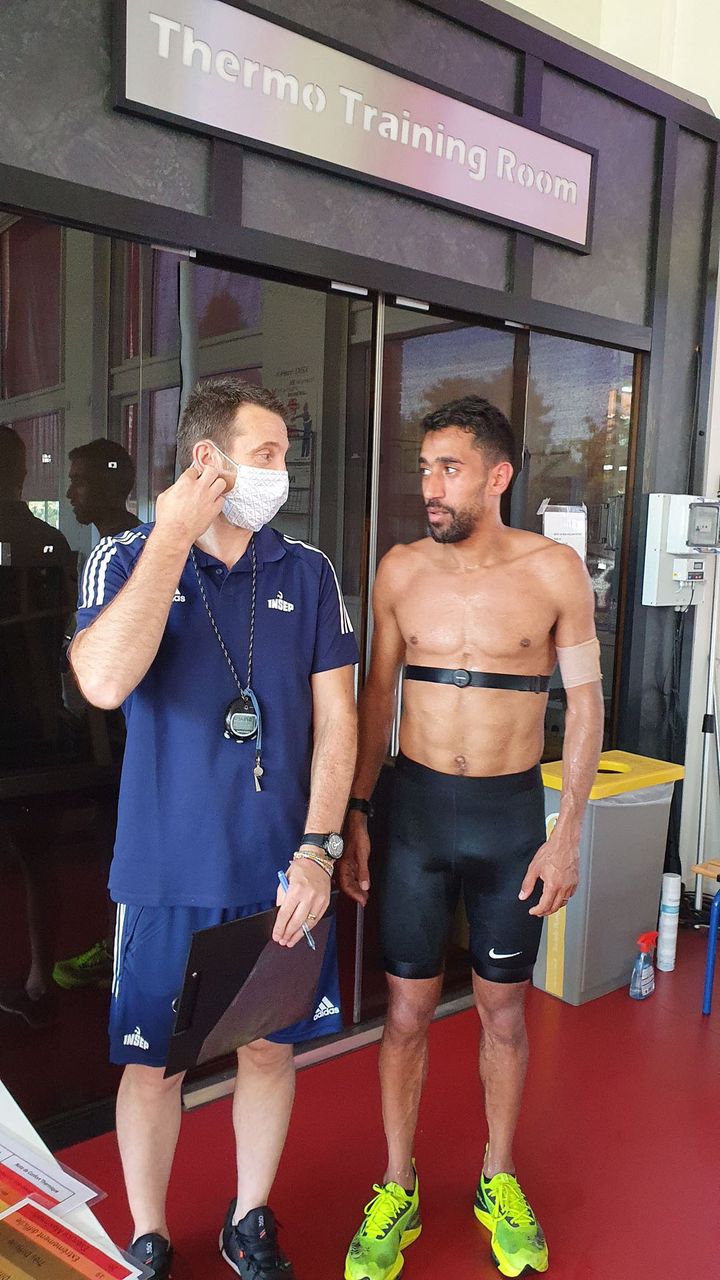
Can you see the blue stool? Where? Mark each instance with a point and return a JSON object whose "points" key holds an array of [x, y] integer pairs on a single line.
{"points": [[712, 871]]}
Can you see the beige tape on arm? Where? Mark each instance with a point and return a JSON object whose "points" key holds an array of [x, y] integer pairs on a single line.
{"points": [[579, 663]]}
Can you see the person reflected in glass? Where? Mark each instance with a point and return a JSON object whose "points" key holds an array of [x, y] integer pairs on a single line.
{"points": [[102, 477], [37, 586], [307, 431], [25, 538]]}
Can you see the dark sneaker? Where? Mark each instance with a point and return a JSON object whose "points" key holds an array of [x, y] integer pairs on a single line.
{"points": [[251, 1247], [155, 1253]]}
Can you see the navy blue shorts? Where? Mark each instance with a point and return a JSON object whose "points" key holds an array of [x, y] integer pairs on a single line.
{"points": [[451, 835], [151, 950]]}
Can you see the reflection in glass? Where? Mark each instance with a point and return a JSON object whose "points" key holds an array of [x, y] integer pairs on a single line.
{"points": [[42, 437], [427, 362], [227, 302], [30, 301], [72, 479], [165, 303], [576, 451], [164, 410]]}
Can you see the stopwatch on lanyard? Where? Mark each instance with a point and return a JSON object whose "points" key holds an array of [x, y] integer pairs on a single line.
{"points": [[243, 719]]}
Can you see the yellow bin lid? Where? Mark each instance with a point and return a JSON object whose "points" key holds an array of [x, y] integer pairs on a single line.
{"points": [[619, 771]]}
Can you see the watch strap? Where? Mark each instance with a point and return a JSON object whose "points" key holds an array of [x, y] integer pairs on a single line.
{"points": [[315, 839], [363, 806]]}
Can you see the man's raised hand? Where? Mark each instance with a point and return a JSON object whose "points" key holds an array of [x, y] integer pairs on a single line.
{"points": [[187, 509]]}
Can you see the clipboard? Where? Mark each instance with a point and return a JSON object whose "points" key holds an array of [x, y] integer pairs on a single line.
{"points": [[239, 986]]}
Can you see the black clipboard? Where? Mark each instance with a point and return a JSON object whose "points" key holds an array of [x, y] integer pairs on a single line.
{"points": [[240, 986]]}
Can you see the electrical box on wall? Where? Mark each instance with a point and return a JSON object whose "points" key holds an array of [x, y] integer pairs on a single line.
{"points": [[683, 531]]}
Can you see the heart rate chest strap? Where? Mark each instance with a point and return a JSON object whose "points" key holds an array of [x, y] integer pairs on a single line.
{"points": [[462, 679]]}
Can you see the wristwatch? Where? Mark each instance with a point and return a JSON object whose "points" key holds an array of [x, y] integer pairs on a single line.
{"points": [[332, 844]]}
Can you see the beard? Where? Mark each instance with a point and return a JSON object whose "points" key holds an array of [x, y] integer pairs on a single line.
{"points": [[462, 524]]}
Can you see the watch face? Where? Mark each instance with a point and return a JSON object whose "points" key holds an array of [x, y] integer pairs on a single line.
{"points": [[334, 845]]}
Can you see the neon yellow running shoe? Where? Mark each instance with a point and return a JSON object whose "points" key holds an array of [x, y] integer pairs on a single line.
{"points": [[516, 1238], [391, 1223], [91, 969]]}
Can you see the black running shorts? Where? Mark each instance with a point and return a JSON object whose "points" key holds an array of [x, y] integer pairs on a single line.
{"points": [[449, 834]]}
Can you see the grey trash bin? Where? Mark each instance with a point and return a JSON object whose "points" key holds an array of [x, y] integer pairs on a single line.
{"points": [[588, 947]]}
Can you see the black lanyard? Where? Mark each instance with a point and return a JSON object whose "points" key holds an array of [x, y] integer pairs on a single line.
{"points": [[243, 720]]}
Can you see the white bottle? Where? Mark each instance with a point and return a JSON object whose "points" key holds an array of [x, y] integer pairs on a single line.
{"points": [[668, 923]]}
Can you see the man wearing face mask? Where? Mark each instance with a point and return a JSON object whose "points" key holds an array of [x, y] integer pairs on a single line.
{"points": [[231, 652]]}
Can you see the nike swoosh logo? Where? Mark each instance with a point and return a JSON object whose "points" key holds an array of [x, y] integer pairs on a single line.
{"points": [[502, 955]]}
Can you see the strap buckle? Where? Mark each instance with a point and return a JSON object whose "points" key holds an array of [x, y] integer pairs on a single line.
{"points": [[461, 678]]}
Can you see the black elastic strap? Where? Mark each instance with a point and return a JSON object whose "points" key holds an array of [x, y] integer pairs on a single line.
{"points": [[363, 806], [462, 679]]}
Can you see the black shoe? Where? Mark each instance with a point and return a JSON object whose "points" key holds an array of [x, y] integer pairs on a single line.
{"points": [[154, 1252], [251, 1247]]}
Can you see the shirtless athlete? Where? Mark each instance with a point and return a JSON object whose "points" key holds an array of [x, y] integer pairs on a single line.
{"points": [[479, 613]]}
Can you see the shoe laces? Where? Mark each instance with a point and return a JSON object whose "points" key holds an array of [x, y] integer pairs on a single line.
{"points": [[510, 1201], [260, 1254], [383, 1210], [94, 956]]}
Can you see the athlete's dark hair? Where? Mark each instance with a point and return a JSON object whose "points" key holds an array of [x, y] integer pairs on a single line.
{"points": [[211, 408], [110, 462], [490, 427]]}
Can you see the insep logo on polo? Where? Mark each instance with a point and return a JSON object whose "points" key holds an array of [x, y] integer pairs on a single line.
{"points": [[279, 602], [136, 1040]]}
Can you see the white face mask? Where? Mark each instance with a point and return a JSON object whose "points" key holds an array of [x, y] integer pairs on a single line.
{"points": [[256, 496]]}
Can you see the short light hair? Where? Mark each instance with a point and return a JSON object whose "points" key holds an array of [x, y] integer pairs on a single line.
{"points": [[210, 412]]}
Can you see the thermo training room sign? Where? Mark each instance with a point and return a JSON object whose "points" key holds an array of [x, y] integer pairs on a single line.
{"points": [[220, 69]]}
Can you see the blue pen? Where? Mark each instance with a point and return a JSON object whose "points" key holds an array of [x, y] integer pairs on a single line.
{"points": [[285, 884]]}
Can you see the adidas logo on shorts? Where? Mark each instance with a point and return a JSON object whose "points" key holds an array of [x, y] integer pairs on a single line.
{"points": [[324, 1009], [136, 1040]]}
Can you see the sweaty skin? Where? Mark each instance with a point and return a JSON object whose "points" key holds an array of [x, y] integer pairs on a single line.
{"points": [[499, 616], [475, 595], [491, 598]]}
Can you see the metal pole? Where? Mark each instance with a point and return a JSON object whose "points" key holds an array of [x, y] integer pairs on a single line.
{"points": [[189, 343], [378, 359], [376, 437], [709, 727]]}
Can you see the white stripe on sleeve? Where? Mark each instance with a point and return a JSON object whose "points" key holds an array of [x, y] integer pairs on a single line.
{"points": [[94, 575], [345, 624]]}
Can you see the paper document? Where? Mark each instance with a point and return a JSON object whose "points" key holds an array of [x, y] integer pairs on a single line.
{"points": [[34, 1243], [26, 1172]]}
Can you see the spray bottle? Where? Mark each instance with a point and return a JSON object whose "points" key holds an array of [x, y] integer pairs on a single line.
{"points": [[642, 981]]}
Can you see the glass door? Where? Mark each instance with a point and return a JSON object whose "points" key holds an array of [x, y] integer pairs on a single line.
{"points": [[569, 404], [99, 341], [99, 338], [576, 450], [427, 360], [312, 348]]}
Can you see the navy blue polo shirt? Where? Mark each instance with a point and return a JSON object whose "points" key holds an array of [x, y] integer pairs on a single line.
{"points": [[192, 829]]}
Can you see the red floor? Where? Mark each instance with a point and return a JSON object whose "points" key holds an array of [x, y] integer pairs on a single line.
{"points": [[617, 1148]]}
